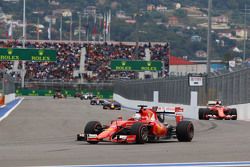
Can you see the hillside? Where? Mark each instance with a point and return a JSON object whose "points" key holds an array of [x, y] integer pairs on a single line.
{"points": [[164, 22]]}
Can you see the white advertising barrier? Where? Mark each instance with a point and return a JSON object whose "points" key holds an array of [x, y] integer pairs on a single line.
{"points": [[190, 111], [243, 111], [9, 98]]}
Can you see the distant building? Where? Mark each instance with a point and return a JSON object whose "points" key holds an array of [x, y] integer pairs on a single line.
{"points": [[161, 8], [90, 10], [227, 34], [130, 21], [150, 7], [236, 49], [196, 38], [51, 19], [54, 2], [240, 33], [173, 21], [182, 67], [177, 6], [122, 15], [220, 19], [201, 54]]}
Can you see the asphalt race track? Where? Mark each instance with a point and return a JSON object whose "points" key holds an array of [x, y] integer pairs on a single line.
{"points": [[42, 131]]}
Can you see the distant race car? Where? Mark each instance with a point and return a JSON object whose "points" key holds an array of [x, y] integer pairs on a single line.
{"points": [[59, 95], [144, 126], [96, 101], [77, 94], [87, 96], [216, 110], [112, 105]]}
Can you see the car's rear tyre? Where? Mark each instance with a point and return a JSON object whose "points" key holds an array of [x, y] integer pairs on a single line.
{"points": [[93, 127], [141, 132], [185, 131], [233, 111]]}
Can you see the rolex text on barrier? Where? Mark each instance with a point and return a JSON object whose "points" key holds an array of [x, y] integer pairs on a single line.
{"points": [[13, 54], [124, 65]]}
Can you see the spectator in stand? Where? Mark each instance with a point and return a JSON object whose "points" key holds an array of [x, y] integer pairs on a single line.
{"points": [[97, 61]]}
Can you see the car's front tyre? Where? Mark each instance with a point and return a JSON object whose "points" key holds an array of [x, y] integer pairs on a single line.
{"points": [[141, 132], [93, 127]]}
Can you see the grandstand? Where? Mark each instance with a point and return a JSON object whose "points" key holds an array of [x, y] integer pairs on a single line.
{"points": [[97, 60]]}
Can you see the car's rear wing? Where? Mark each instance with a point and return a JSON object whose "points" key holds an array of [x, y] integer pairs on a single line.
{"points": [[177, 111]]}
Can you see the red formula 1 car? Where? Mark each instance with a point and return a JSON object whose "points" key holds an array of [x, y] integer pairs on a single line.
{"points": [[147, 125], [216, 110]]}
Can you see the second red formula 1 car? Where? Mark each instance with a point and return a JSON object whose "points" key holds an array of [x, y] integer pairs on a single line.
{"points": [[216, 110], [145, 126]]}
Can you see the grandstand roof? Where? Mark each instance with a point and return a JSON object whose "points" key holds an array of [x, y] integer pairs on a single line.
{"points": [[173, 60]]}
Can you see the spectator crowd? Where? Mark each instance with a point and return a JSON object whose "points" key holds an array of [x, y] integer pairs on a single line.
{"points": [[97, 61]]}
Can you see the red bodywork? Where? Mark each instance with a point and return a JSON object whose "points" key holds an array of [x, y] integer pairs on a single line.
{"points": [[219, 112], [148, 117]]}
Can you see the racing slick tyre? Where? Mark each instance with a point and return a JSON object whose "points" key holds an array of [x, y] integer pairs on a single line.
{"points": [[185, 131], [233, 111], [93, 127], [203, 112], [141, 132]]}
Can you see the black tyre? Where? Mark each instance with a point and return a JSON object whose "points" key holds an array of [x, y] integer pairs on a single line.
{"points": [[93, 127], [185, 131], [203, 112], [233, 111], [141, 132]]}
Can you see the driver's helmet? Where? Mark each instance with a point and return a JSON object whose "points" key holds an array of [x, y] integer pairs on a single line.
{"points": [[137, 116]]}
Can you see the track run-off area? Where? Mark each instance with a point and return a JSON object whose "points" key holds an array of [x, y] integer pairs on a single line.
{"points": [[41, 131]]}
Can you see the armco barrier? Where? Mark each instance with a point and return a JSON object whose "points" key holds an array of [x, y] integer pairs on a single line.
{"points": [[189, 111]]}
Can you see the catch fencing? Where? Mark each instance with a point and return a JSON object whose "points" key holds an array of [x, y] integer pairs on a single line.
{"points": [[232, 88], [7, 84]]}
